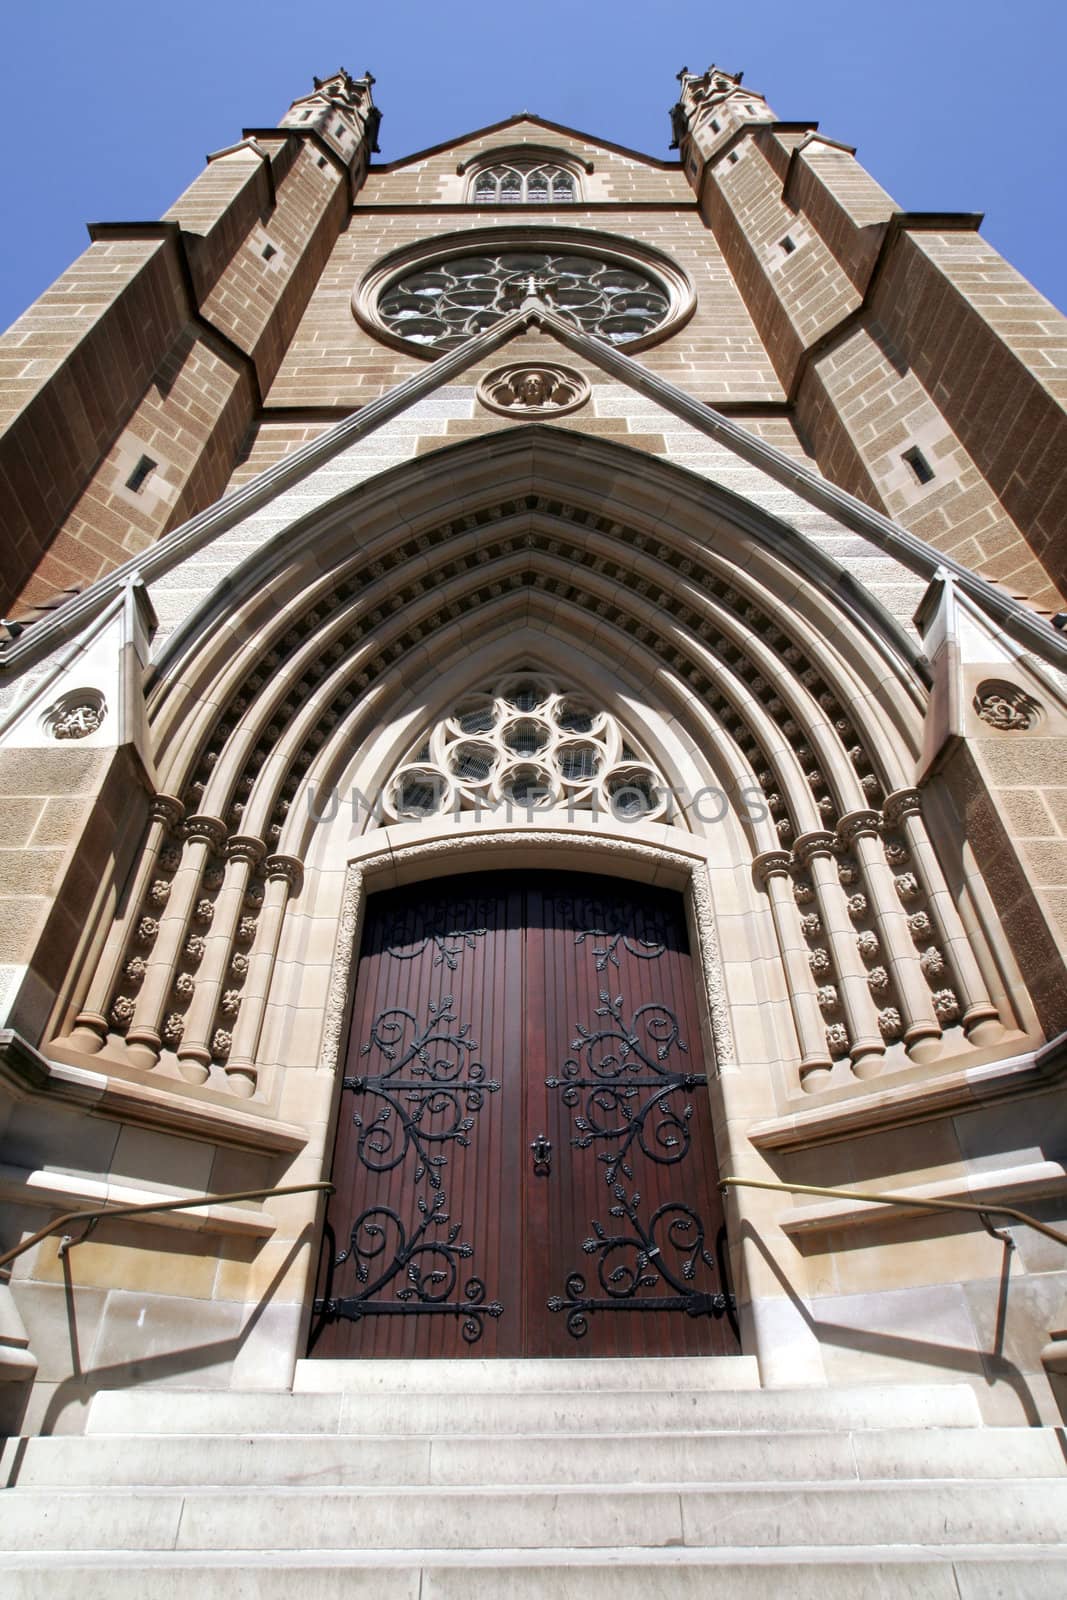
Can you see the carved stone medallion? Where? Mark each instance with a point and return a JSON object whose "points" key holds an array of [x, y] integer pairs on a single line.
{"points": [[1006, 707], [533, 390]]}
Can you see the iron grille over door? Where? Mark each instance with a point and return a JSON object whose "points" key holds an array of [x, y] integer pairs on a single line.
{"points": [[524, 1161]]}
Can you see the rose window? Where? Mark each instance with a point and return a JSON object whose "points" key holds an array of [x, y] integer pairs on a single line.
{"points": [[446, 303], [526, 743]]}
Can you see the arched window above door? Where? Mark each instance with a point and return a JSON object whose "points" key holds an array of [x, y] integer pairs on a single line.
{"points": [[527, 741]]}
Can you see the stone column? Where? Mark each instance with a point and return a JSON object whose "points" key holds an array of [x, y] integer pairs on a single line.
{"points": [[284, 876], [981, 1019], [91, 1025], [861, 832], [772, 869], [816, 851], [204, 836], [243, 855]]}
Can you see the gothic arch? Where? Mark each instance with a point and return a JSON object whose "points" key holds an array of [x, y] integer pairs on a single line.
{"points": [[768, 673]]}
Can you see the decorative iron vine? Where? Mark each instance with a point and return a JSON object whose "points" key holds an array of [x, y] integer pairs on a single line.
{"points": [[629, 1262], [429, 1268], [452, 931], [627, 1087], [613, 925], [430, 1076]]}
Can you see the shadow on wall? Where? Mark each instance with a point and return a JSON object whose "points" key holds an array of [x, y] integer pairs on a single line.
{"points": [[81, 1385], [991, 1367]]}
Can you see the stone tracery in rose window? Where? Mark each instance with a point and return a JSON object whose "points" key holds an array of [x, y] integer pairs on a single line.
{"points": [[449, 301], [528, 744]]}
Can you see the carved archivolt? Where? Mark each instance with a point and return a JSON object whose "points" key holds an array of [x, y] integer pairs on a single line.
{"points": [[531, 744], [774, 698]]}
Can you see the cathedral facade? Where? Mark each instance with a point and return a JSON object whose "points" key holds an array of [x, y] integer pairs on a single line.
{"points": [[534, 717]]}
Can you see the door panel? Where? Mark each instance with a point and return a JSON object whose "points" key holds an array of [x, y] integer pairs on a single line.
{"points": [[489, 1011], [429, 1125], [625, 1102]]}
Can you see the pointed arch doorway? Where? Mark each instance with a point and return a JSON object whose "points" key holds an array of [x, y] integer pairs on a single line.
{"points": [[524, 1161]]}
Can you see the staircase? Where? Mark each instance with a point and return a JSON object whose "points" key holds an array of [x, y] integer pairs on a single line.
{"points": [[532, 1480]]}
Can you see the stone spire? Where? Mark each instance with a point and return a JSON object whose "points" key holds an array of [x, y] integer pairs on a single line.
{"points": [[341, 111]]}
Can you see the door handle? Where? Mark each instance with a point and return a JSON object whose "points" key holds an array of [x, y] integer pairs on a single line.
{"points": [[542, 1156]]}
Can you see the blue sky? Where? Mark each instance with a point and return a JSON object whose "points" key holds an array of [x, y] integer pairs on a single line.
{"points": [[111, 105]]}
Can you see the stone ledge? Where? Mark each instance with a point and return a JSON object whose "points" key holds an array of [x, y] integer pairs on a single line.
{"points": [[25, 1074], [869, 1112], [25, 1186], [1037, 1180]]}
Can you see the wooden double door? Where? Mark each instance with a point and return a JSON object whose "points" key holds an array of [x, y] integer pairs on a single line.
{"points": [[524, 1162]]}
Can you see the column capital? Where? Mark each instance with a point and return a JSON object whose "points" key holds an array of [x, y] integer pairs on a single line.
{"points": [[209, 830], [166, 808], [245, 847], [857, 825], [900, 804], [820, 842], [288, 868], [772, 864]]}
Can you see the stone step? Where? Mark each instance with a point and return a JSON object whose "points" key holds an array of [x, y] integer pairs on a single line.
{"points": [[690, 1458], [631, 1373], [855, 1573], [752, 1515], [222, 1411]]}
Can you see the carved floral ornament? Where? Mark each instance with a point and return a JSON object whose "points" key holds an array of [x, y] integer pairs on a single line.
{"points": [[76, 715], [1006, 707], [526, 390]]}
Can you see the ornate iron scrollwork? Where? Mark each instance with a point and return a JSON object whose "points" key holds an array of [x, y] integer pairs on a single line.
{"points": [[627, 1081], [452, 930], [630, 1262], [430, 1078], [428, 1268], [613, 925]]}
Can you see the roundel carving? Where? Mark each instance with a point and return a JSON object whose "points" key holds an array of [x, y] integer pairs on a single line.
{"points": [[533, 390], [432, 297]]}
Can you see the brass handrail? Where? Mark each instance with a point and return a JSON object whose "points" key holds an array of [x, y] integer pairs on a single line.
{"points": [[91, 1218], [981, 1210]]}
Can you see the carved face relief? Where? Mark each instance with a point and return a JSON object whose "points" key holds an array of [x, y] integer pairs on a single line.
{"points": [[522, 391]]}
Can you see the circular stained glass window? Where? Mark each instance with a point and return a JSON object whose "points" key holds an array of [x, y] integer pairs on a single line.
{"points": [[448, 303]]}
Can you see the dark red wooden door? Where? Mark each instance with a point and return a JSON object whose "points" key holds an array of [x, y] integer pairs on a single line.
{"points": [[524, 1161]]}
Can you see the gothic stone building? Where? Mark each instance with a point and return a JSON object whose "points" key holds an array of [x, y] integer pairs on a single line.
{"points": [[533, 694]]}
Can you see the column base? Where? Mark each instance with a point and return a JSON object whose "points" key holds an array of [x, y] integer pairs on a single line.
{"points": [[143, 1050]]}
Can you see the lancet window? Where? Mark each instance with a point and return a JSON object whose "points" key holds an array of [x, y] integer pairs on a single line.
{"points": [[517, 183]]}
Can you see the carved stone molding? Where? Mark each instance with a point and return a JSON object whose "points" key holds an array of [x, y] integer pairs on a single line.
{"points": [[540, 390], [344, 953]]}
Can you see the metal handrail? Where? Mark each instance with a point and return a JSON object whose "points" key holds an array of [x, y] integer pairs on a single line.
{"points": [[91, 1218], [981, 1210]]}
